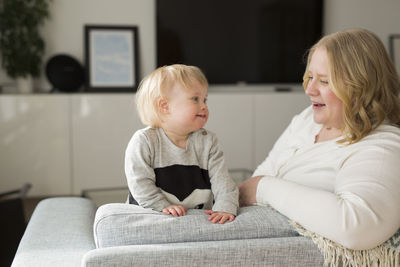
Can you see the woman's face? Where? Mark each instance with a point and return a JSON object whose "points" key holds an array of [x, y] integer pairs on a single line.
{"points": [[326, 105]]}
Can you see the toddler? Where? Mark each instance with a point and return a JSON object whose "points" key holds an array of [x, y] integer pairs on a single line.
{"points": [[174, 164]]}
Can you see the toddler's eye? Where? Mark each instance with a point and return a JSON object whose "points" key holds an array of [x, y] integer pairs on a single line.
{"points": [[196, 99], [205, 100]]}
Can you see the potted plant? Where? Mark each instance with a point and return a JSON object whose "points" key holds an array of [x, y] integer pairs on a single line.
{"points": [[21, 45]]}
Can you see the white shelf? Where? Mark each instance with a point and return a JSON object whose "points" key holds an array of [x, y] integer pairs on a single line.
{"points": [[65, 143]]}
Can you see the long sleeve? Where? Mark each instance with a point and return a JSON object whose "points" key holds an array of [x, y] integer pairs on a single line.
{"points": [[140, 175], [160, 174], [225, 191], [360, 214], [349, 194]]}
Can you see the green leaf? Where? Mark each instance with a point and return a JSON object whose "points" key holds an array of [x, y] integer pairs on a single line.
{"points": [[21, 45]]}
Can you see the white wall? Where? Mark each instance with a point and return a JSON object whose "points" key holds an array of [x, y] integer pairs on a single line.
{"points": [[380, 16], [64, 31]]}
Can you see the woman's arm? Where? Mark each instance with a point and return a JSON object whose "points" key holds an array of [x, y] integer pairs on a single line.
{"points": [[361, 213], [248, 190]]}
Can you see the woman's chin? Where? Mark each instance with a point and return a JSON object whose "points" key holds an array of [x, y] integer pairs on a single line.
{"points": [[318, 119]]}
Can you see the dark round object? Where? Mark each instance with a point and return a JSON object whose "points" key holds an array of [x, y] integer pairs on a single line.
{"points": [[65, 73]]}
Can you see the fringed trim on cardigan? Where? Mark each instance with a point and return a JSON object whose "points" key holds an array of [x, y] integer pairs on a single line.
{"points": [[335, 255]]}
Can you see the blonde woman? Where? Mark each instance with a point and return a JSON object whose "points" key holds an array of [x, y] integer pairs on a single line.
{"points": [[174, 164], [336, 168]]}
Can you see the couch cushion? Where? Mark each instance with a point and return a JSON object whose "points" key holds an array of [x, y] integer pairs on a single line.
{"points": [[124, 224], [283, 252], [59, 233]]}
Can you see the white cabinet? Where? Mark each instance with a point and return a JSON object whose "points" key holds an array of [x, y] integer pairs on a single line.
{"points": [[273, 113], [35, 143], [102, 125], [231, 118], [248, 124], [63, 144]]}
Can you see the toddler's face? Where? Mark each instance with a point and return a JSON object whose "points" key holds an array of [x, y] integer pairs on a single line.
{"points": [[188, 110]]}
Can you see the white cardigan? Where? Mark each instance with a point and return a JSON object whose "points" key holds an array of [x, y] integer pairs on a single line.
{"points": [[347, 193]]}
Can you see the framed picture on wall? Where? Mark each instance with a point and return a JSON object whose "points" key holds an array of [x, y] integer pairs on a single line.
{"points": [[111, 58], [394, 50]]}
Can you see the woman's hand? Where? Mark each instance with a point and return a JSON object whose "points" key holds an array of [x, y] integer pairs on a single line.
{"points": [[248, 190], [175, 210], [220, 217]]}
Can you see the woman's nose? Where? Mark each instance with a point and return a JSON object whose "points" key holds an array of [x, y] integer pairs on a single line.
{"points": [[311, 88]]}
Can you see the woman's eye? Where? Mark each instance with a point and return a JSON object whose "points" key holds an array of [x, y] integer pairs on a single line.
{"points": [[310, 77], [324, 82]]}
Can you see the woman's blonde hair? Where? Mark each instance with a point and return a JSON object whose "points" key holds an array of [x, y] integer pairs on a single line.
{"points": [[158, 84], [363, 77]]}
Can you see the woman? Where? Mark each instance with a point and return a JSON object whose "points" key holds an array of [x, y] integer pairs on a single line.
{"points": [[336, 168]]}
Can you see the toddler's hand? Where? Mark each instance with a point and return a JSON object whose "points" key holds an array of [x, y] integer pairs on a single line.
{"points": [[220, 217], [175, 210]]}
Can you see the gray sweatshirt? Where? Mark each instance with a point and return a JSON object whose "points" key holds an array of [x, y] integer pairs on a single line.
{"points": [[160, 174]]}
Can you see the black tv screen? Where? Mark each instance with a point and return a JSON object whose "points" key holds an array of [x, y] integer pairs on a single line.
{"points": [[234, 41]]}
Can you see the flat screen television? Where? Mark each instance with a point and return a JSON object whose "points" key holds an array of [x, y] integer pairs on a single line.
{"points": [[239, 41]]}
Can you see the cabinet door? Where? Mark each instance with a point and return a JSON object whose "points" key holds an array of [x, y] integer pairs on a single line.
{"points": [[102, 125], [273, 113], [231, 118], [34, 143]]}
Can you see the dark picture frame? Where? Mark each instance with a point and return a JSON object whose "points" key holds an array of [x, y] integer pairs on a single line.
{"points": [[394, 50], [111, 58]]}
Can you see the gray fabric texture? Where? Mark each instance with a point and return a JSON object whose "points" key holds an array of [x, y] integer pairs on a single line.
{"points": [[285, 251], [124, 224], [59, 233]]}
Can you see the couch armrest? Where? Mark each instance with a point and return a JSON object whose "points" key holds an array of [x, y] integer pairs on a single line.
{"points": [[59, 233], [284, 251]]}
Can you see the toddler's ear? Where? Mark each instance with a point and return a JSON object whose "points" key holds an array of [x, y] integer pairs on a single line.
{"points": [[163, 105]]}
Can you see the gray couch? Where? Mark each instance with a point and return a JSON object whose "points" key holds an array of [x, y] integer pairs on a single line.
{"points": [[71, 231]]}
